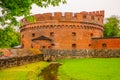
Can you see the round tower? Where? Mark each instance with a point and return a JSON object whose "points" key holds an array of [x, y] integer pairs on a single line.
{"points": [[58, 31]]}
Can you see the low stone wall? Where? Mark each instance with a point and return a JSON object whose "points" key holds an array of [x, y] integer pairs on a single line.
{"points": [[52, 55], [95, 53], [16, 61]]}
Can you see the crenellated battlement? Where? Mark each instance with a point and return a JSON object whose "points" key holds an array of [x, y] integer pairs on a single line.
{"points": [[95, 17]]}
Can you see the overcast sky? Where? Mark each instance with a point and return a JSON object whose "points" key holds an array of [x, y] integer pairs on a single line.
{"points": [[111, 7]]}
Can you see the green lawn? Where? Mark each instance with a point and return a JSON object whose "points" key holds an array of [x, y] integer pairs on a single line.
{"points": [[90, 69], [25, 72]]}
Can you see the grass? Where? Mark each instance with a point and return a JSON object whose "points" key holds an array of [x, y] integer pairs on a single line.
{"points": [[25, 72], [90, 69]]}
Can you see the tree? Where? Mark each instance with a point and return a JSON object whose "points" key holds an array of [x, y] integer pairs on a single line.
{"points": [[9, 37], [112, 27], [15, 8]]}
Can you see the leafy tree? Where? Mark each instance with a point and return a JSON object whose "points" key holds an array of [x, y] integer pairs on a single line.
{"points": [[9, 37], [15, 8], [112, 27]]}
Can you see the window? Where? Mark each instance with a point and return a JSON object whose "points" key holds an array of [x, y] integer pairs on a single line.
{"points": [[91, 34], [52, 44], [43, 47], [104, 45], [73, 33], [89, 45], [92, 17], [73, 46], [51, 34], [33, 34], [84, 16]]}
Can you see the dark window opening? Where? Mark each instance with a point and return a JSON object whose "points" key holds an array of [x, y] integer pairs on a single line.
{"points": [[73, 45], [84, 16], [43, 47], [89, 45], [91, 34], [52, 44], [33, 34], [51, 34], [92, 17], [73, 33], [104, 45]]}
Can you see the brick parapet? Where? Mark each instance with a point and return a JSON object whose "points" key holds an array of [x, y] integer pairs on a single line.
{"points": [[69, 16]]}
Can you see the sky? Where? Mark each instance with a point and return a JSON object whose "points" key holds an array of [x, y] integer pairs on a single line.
{"points": [[111, 7]]}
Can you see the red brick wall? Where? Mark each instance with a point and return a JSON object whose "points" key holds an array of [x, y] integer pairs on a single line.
{"points": [[63, 26], [107, 43]]}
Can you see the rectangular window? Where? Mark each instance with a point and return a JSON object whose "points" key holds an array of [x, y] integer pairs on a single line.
{"points": [[33, 34], [43, 47], [73, 46], [51, 34], [104, 45], [91, 34], [73, 33]]}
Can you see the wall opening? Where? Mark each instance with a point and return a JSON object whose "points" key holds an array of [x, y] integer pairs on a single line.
{"points": [[73, 34], [104, 45], [51, 34], [52, 44], [91, 34], [43, 47], [33, 34], [73, 46], [89, 45]]}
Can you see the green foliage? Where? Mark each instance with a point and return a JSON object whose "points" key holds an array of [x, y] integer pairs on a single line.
{"points": [[15, 8], [90, 69], [112, 27], [9, 37], [24, 72]]}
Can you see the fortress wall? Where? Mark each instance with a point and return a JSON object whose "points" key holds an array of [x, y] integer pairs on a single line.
{"points": [[84, 25], [106, 43], [63, 38]]}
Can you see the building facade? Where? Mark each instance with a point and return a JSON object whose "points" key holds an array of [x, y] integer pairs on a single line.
{"points": [[66, 30]]}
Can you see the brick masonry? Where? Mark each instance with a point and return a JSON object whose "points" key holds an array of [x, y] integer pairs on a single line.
{"points": [[66, 30]]}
